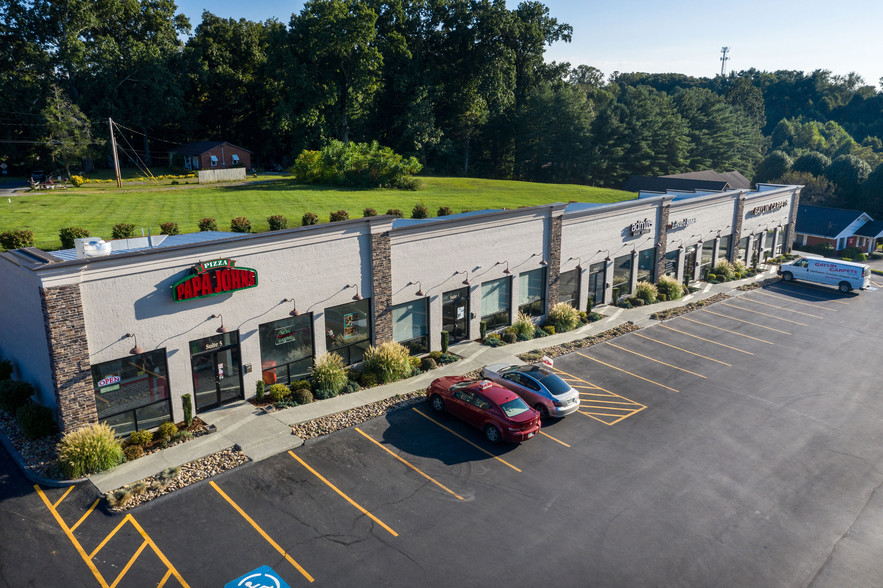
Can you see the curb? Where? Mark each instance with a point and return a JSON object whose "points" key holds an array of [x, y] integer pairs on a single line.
{"points": [[29, 473]]}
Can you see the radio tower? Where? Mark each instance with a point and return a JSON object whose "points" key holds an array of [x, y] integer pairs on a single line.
{"points": [[724, 59]]}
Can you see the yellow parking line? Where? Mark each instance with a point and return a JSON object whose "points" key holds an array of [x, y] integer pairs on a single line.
{"points": [[704, 339], [748, 299], [132, 559], [594, 400], [554, 439], [725, 330], [656, 360], [342, 495], [88, 512], [822, 298], [108, 538], [164, 579], [257, 528], [772, 316], [609, 394], [796, 301], [63, 496], [619, 417], [682, 349], [732, 318], [483, 450], [398, 457], [627, 372]]}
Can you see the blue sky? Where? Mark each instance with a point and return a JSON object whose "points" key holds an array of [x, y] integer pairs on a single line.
{"points": [[684, 36]]}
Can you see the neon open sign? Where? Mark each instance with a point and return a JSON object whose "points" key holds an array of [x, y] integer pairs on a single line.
{"points": [[210, 278]]}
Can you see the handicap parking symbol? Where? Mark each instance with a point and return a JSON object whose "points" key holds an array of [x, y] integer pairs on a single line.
{"points": [[263, 577]]}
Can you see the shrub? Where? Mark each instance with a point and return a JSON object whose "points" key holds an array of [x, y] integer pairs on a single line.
{"points": [[861, 257], [539, 332], [390, 361], [133, 452], [444, 211], [662, 297], [278, 392], [523, 326], [562, 317], [635, 301], [207, 224], [369, 212], [739, 266], [77, 181], [368, 379], [300, 385], [188, 409], [364, 165], [122, 231], [36, 420], [240, 224], [646, 292], [724, 270], [277, 222], [711, 277], [14, 394], [309, 219], [351, 386], [427, 363], [69, 234], [669, 287], [140, 438], [407, 183], [420, 210], [17, 239], [414, 363], [166, 431], [339, 215], [5, 369], [493, 340], [509, 337], [395, 212], [550, 329], [302, 395], [445, 341], [182, 435], [89, 450], [325, 393], [169, 229], [482, 329], [328, 373], [259, 391]]}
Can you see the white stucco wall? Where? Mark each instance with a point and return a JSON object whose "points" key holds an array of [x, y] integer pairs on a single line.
{"points": [[22, 329]]}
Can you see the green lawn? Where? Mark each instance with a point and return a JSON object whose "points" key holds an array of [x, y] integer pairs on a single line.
{"points": [[97, 207]]}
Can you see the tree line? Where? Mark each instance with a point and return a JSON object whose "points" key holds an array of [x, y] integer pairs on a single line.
{"points": [[462, 85]]}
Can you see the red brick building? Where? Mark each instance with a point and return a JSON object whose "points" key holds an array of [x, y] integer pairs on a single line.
{"points": [[211, 155]]}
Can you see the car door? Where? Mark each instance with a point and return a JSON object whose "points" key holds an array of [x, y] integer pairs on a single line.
{"points": [[519, 384], [479, 409], [460, 402]]}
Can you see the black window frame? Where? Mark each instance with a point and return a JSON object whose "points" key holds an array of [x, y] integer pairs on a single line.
{"points": [[354, 351], [100, 371], [300, 374]]}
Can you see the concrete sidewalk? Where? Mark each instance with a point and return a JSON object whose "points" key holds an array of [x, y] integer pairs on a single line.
{"points": [[261, 435]]}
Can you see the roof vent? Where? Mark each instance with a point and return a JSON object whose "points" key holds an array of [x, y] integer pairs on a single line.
{"points": [[92, 247]]}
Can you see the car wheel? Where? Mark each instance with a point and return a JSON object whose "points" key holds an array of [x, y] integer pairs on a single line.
{"points": [[845, 287], [492, 433], [787, 276], [543, 410], [438, 405]]}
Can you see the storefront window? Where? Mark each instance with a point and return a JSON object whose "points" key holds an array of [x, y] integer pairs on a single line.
{"points": [[707, 257], [768, 240], [723, 247], [532, 292], [742, 251], [132, 393], [348, 330], [671, 263], [597, 275], [568, 287], [622, 276], [410, 325], [286, 349], [647, 265], [496, 297], [780, 238]]}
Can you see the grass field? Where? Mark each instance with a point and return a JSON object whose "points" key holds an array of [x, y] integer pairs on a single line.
{"points": [[97, 207]]}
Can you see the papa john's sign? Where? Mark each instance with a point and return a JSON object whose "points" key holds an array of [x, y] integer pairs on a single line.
{"points": [[210, 278]]}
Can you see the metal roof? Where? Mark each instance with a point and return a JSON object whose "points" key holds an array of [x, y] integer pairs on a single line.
{"points": [[823, 221], [156, 242]]}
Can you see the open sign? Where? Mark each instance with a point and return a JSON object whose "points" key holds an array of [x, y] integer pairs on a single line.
{"points": [[108, 381], [485, 384], [547, 361]]}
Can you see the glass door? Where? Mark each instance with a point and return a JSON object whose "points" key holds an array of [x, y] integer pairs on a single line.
{"points": [[229, 377], [596, 282], [455, 314], [689, 263], [217, 371], [205, 385]]}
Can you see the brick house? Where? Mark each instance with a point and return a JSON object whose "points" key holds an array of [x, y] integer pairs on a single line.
{"points": [[211, 155], [838, 227]]}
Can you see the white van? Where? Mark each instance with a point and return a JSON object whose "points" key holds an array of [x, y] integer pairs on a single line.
{"points": [[846, 275]]}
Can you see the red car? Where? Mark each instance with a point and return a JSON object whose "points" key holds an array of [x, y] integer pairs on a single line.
{"points": [[496, 410]]}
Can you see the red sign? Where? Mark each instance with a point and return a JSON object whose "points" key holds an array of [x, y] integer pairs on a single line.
{"points": [[210, 278], [108, 381]]}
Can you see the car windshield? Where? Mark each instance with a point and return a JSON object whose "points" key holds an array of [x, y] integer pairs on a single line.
{"points": [[514, 407], [553, 383]]}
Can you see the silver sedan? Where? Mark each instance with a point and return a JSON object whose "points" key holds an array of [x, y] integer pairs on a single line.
{"points": [[539, 387]]}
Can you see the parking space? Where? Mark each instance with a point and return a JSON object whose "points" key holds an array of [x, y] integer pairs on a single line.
{"points": [[720, 447]]}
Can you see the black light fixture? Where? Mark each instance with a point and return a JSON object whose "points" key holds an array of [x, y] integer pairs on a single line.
{"points": [[294, 310], [606, 251], [136, 350], [358, 296], [466, 281], [222, 329], [419, 288], [579, 262], [505, 271]]}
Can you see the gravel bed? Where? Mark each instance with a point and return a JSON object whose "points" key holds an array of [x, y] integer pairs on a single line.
{"points": [[38, 454], [354, 416], [679, 310], [565, 348], [176, 478]]}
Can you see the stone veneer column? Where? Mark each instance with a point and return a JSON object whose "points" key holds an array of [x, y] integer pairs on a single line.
{"points": [[381, 276], [554, 259], [792, 223], [662, 240], [69, 356], [737, 227]]}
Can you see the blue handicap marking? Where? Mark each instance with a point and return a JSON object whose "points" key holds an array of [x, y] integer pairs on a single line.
{"points": [[263, 577]]}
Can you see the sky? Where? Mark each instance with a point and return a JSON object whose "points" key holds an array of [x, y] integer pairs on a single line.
{"points": [[684, 36]]}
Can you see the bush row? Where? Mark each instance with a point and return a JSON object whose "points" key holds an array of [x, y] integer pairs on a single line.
{"points": [[561, 318]]}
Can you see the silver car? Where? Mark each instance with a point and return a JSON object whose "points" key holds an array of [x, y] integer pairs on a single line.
{"points": [[539, 387]]}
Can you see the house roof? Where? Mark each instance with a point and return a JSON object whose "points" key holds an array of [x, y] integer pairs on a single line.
{"points": [[823, 221], [200, 147], [873, 229], [734, 179], [664, 184]]}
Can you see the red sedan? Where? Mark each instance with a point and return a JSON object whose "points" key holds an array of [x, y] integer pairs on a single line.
{"points": [[497, 411]]}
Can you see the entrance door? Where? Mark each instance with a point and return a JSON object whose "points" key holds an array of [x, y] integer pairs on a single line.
{"points": [[689, 263], [596, 282], [455, 314], [217, 371]]}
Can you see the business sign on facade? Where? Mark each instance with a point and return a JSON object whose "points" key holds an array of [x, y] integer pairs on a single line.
{"points": [[680, 224], [771, 207], [210, 278], [641, 227]]}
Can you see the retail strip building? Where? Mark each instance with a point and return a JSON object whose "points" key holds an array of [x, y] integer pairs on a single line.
{"points": [[120, 331]]}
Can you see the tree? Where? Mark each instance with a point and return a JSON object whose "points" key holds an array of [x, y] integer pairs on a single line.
{"points": [[848, 172], [774, 165], [69, 131], [812, 162], [817, 189]]}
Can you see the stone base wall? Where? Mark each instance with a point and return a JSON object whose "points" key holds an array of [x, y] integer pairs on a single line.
{"points": [[69, 356], [381, 274], [554, 261]]}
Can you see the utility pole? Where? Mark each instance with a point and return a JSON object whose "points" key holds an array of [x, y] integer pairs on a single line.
{"points": [[724, 59], [116, 160]]}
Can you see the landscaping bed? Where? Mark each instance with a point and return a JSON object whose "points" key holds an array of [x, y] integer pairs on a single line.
{"points": [[354, 416], [565, 348], [679, 310]]}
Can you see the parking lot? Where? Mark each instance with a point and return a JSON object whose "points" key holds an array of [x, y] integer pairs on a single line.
{"points": [[735, 445]]}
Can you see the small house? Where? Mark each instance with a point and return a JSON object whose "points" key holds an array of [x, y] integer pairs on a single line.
{"points": [[210, 155]]}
